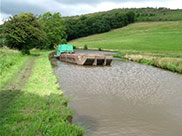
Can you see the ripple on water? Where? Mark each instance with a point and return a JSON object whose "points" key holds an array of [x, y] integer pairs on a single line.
{"points": [[127, 99]]}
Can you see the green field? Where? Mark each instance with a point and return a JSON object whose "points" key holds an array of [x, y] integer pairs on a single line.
{"points": [[154, 43], [144, 36]]}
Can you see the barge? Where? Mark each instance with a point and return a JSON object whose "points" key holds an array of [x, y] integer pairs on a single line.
{"points": [[66, 53]]}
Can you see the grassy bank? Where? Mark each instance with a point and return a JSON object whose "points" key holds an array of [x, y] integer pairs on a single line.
{"points": [[166, 60], [153, 43], [37, 107]]}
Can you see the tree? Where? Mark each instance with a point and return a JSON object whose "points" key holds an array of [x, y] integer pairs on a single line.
{"points": [[54, 27], [23, 32], [1, 36], [72, 30], [100, 25], [131, 16]]}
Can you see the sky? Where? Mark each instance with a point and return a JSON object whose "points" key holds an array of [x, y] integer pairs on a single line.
{"points": [[77, 7]]}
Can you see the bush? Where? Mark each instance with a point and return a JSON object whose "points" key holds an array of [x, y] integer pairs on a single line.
{"points": [[85, 47], [23, 32], [74, 47]]}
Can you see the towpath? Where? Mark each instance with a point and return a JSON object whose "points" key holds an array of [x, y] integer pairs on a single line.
{"points": [[22, 75], [10, 91]]}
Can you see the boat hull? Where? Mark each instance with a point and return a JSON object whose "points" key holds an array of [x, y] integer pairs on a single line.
{"points": [[86, 59]]}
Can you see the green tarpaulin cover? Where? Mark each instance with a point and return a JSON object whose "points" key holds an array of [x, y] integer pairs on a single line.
{"points": [[64, 48]]}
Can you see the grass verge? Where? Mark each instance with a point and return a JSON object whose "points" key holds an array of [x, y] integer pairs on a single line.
{"points": [[166, 60], [38, 108], [10, 62]]}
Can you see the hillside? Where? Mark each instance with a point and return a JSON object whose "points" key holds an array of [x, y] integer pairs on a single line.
{"points": [[152, 43], [100, 22], [144, 14], [142, 36]]}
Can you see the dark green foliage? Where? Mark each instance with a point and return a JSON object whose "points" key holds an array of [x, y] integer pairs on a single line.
{"points": [[54, 27], [1, 27], [100, 25], [118, 20], [23, 32], [85, 47], [131, 17], [74, 47], [2, 41], [100, 49], [97, 23]]}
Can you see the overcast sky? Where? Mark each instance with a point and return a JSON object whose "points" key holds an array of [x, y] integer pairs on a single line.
{"points": [[77, 7]]}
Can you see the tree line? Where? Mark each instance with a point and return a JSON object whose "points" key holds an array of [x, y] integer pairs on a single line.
{"points": [[93, 24], [26, 31]]}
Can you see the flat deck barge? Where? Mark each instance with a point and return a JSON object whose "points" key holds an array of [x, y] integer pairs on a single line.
{"points": [[87, 59], [66, 53]]}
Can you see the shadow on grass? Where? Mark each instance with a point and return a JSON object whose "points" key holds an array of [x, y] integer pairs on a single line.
{"points": [[34, 55], [7, 98], [23, 113]]}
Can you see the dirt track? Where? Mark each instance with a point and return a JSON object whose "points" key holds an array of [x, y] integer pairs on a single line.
{"points": [[22, 75]]}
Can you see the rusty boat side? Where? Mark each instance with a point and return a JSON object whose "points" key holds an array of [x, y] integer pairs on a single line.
{"points": [[86, 59], [66, 53]]}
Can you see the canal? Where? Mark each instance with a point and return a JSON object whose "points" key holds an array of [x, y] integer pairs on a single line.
{"points": [[125, 99]]}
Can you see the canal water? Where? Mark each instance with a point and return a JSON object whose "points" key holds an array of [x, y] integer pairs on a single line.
{"points": [[125, 99]]}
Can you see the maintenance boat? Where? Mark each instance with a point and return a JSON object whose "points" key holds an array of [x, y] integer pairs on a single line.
{"points": [[66, 53]]}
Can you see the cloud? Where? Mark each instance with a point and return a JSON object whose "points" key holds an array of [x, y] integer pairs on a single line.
{"points": [[77, 7], [95, 2], [17, 6], [4, 17]]}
